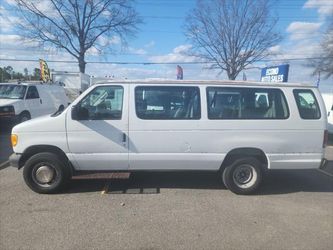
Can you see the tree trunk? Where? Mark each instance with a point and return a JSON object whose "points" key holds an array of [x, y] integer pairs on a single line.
{"points": [[231, 75], [82, 64]]}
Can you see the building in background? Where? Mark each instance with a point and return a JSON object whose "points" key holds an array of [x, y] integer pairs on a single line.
{"points": [[73, 82]]}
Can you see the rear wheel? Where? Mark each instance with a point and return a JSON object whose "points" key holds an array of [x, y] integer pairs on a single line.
{"points": [[46, 173], [243, 176]]}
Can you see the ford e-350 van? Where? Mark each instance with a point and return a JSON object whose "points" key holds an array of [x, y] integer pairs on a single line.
{"points": [[237, 129]]}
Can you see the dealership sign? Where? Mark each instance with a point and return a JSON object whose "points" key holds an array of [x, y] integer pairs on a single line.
{"points": [[275, 74]]}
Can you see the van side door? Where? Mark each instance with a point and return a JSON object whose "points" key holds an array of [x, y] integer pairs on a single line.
{"points": [[97, 129], [167, 130]]}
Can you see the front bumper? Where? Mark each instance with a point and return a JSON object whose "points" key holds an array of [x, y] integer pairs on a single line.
{"points": [[14, 160], [7, 112]]}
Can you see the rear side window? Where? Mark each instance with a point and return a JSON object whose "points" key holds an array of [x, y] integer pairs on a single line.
{"points": [[246, 103], [167, 102], [307, 104]]}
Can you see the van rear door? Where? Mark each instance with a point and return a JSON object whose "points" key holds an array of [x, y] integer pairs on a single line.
{"points": [[98, 133]]}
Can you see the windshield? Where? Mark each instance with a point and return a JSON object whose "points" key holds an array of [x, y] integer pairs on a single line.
{"points": [[12, 91]]}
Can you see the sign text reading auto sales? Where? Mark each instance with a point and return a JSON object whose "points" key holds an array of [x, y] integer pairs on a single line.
{"points": [[275, 74]]}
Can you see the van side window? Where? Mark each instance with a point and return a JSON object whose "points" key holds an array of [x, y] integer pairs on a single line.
{"points": [[307, 104], [167, 102], [102, 103], [32, 93], [246, 103]]}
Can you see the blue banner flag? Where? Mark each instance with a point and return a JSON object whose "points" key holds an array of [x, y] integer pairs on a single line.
{"points": [[179, 73], [275, 74]]}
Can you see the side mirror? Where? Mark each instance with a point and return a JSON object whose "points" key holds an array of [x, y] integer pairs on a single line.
{"points": [[74, 113], [79, 113]]}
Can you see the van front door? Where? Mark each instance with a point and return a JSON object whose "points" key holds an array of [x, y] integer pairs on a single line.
{"points": [[33, 102], [97, 130]]}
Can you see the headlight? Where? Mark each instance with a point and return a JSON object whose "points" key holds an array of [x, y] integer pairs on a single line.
{"points": [[7, 111]]}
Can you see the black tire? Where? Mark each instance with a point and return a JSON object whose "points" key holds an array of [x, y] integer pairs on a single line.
{"points": [[243, 176], [54, 164], [24, 116]]}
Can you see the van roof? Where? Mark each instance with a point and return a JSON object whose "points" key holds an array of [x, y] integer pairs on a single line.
{"points": [[207, 82], [28, 84]]}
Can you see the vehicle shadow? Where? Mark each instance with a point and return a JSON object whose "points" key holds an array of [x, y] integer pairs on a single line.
{"points": [[275, 182], [148, 183], [293, 181], [5, 144]]}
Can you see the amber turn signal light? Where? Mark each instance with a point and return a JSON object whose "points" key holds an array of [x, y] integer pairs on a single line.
{"points": [[14, 139]]}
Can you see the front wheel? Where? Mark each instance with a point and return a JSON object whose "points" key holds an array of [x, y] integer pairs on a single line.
{"points": [[243, 176], [46, 173]]}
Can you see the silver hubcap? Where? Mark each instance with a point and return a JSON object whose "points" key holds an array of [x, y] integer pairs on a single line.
{"points": [[44, 174], [245, 176]]}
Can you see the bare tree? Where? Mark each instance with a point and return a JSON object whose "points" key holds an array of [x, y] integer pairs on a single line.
{"points": [[231, 33], [325, 63], [77, 25]]}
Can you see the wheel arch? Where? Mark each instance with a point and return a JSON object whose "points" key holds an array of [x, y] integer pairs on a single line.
{"points": [[25, 112], [238, 153], [32, 150]]}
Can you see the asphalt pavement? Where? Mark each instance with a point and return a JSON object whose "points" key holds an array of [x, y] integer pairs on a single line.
{"points": [[293, 210]]}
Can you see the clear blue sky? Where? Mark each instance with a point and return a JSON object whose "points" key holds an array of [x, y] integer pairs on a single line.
{"points": [[161, 39]]}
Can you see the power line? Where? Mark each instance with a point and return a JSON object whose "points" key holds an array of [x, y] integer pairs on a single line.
{"points": [[47, 52], [180, 32], [183, 17], [158, 63]]}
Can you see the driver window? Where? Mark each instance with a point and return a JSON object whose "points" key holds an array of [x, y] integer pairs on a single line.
{"points": [[103, 103], [32, 93]]}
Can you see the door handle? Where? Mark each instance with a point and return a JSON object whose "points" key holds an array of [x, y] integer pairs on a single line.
{"points": [[124, 137], [40, 100]]}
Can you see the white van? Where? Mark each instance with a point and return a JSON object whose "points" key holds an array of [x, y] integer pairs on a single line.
{"points": [[220, 126], [22, 101]]}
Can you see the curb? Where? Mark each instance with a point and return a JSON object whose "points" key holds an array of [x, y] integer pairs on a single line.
{"points": [[4, 165]]}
